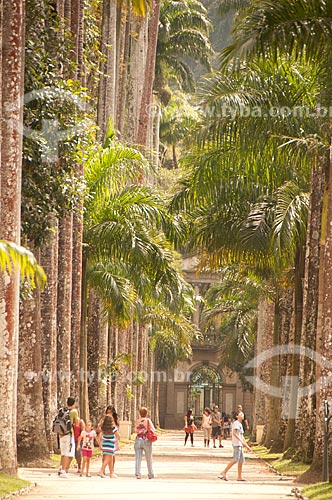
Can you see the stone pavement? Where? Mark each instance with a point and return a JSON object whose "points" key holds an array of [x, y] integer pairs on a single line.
{"points": [[182, 473]]}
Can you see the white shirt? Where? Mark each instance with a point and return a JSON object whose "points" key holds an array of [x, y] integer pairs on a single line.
{"points": [[237, 426]]}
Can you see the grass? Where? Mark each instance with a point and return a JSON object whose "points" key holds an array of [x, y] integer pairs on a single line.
{"points": [[10, 484], [286, 467], [319, 491]]}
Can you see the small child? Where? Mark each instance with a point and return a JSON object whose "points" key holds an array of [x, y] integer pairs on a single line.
{"points": [[87, 436]]}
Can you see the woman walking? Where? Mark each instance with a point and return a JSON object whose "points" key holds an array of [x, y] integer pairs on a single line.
{"points": [[142, 424], [207, 426], [107, 436], [189, 427]]}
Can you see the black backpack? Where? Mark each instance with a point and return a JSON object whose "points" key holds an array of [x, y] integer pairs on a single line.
{"points": [[62, 423]]}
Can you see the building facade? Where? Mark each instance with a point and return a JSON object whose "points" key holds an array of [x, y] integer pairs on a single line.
{"points": [[202, 381]]}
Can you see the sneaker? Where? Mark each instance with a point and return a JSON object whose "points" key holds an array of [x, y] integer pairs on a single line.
{"points": [[62, 473]]}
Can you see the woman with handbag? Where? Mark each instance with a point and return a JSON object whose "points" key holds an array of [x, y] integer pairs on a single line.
{"points": [[145, 435], [189, 427]]}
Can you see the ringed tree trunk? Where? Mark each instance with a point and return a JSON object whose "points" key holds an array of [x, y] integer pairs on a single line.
{"points": [[48, 297], [107, 82], [77, 19], [64, 308], [30, 400], [12, 55], [305, 432], [262, 370], [147, 99], [324, 330], [295, 371], [274, 408]]}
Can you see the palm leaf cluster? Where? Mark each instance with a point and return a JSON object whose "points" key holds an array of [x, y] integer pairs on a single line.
{"points": [[130, 261], [13, 256], [183, 33]]}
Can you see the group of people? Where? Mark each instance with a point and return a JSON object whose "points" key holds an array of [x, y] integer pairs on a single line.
{"points": [[215, 425], [79, 442]]}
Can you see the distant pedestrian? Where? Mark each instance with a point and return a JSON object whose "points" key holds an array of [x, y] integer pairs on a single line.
{"points": [[110, 410], [87, 437], [67, 441], [245, 423], [107, 437], [217, 423], [207, 426], [142, 424], [189, 427], [78, 427], [238, 443]]}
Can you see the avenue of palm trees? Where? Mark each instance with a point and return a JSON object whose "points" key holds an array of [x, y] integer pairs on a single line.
{"points": [[98, 97]]}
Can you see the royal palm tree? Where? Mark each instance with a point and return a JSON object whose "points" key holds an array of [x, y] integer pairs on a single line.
{"points": [[304, 30]]}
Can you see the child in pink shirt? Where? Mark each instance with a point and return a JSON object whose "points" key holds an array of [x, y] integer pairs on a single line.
{"points": [[87, 436]]}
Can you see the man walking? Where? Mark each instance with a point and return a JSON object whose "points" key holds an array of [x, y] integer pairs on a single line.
{"points": [[217, 420], [67, 441], [238, 443]]}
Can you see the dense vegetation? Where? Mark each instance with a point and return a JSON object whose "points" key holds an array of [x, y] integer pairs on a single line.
{"points": [[127, 161]]}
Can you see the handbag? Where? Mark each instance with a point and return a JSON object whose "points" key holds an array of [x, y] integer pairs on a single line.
{"points": [[117, 444], [151, 435]]}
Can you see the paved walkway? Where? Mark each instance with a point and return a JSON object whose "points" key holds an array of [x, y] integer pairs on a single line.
{"points": [[183, 473]]}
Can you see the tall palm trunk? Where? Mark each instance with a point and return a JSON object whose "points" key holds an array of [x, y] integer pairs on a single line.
{"points": [[145, 108], [274, 401], [305, 435], [12, 50], [30, 424], [122, 66], [294, 387], [76, 26], [64, 307], [49, 262], [262, 370], [324, 337], [107, 82]]}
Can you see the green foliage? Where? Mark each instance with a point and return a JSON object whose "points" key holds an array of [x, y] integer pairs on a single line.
{"points": [[56, 123], [183, 32], [319, 491], [13, 256], [9, 484]]}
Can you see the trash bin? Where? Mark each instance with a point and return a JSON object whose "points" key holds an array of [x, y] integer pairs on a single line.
{"points": [[259, 433], [125, 429]]}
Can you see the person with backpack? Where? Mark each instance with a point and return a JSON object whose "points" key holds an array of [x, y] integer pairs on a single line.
{"points": [[63, 427]]}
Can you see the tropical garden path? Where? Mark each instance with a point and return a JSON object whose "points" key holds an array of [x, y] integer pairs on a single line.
{"points": [[182, 473]]}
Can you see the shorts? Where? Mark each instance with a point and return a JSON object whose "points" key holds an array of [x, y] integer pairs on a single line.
{"points": [[86, 453], [216, 431], [67, 446], [238, 454]]}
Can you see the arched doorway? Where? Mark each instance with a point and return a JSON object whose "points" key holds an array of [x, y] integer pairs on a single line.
{"points": [[205, 389]]}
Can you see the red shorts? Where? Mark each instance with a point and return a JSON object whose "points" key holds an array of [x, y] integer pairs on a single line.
{"points": [[86, 453]]}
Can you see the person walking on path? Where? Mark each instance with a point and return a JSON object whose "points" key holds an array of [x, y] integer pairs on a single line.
{"points": [[107, 437], [216, 426], [142, 424], [238, 443], [207, 426], [78, 427], [189, 427], [110, 410], [87, 437], [67, 441]]}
